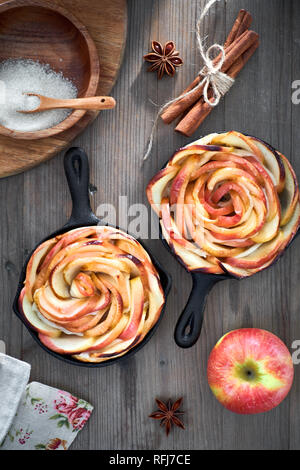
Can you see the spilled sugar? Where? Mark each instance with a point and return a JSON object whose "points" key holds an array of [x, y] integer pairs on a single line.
{"points": [[18, 76]]}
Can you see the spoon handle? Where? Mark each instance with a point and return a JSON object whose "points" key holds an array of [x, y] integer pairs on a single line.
{"points": [[94, 103]]}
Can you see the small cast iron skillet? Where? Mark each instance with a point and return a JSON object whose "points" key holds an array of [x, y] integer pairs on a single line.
{"points": [[77, 173], [189, 324]]}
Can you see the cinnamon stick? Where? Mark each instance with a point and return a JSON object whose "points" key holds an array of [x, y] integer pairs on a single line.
{"points": [[241, 62], [241, 24], [233, 52], [237, 48], [243, 21], [198, 113]]}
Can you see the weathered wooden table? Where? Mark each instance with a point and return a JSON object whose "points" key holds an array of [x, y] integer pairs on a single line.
{"points": [[37, 202]]}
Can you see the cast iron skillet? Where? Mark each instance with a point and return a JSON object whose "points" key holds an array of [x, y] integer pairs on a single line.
{"points": [[77, 172], [189, 324]]}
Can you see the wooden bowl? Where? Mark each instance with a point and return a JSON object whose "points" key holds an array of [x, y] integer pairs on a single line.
{"points": [[44, 32]]}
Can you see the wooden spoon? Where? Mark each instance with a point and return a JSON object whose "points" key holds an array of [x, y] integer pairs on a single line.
{"points": [[94, 103]]}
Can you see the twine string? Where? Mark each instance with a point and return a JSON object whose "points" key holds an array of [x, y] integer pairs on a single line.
{"points": [[213, 78]]}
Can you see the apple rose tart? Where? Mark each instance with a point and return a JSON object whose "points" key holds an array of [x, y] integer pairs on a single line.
{"points": [[92, 292], [227, 203]]}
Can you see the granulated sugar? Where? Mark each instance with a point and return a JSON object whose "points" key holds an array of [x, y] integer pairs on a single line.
{"points": [[18, 76]]}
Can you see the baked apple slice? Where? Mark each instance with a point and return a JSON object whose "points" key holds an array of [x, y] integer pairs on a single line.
{"points": [[27, 309], [116, 348], [137, 306], [67, 344], [92, 293], [227, 203]]}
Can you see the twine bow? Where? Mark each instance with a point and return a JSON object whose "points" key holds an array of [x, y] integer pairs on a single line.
{"points": [[213, 78]]}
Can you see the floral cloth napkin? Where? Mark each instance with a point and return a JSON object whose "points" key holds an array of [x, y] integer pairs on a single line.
{"points": [[46, 418]]}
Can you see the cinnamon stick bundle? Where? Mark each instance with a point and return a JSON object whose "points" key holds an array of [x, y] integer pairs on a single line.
{"points": [[239, 47], [199, 112]]}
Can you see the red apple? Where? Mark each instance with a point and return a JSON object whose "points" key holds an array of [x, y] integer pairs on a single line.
{"points": [[250, 371]]}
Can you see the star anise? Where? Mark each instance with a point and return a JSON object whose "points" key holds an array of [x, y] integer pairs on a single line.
{"points": [[168, 414], [164, 59]]}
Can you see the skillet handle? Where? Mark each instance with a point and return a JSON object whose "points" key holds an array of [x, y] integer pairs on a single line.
{"points": [[76, 166], [189, 325]]}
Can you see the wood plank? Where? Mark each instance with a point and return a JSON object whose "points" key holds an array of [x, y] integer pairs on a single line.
{"points": [[293, 273], [264, 111]]}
